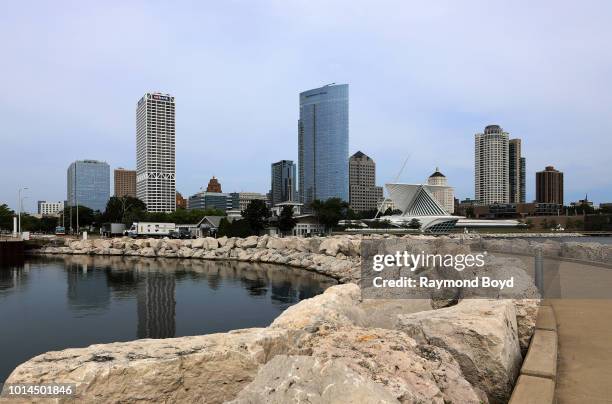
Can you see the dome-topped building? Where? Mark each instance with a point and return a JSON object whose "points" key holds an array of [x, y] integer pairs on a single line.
{"points": [[446, 197]]}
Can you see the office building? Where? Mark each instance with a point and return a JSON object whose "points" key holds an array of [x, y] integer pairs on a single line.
{"points": [[445, 196], [125, 182], [363, 193], [155, 152], [283, 182], [210, 200], [88, 184], [50, 208], [240, 200], [323, 137], [516, 172], [491, 169], [549, 186]]}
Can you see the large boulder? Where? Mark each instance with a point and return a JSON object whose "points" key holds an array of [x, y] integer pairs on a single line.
{"points": [[411, 372], [587, 251], [206, 369], [304, 379], [250, 242], [482, 336], [337, 306], [277, 243], [333, 245]]}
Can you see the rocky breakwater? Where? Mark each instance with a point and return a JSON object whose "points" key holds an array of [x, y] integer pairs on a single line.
{"points": [[324, 349], [332, 348], [586, 251], [337, 257]]}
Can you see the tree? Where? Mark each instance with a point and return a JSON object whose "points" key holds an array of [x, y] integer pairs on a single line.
{"points": [[256, 214], [86, 216], [529, 223], [286, 221], [6, 217], [237, 228], [330, 212], [118, 209], [414, 224], [544, 224]]}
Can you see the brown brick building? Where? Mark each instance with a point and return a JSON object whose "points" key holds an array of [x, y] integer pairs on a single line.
{"points": [[125, 182], [549, 186]]}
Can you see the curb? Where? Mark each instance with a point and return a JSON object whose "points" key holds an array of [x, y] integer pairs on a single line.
{"points": [[536, 383]]}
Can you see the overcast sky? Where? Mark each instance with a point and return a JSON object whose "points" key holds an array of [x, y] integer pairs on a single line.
{"points": [[424, 77]]}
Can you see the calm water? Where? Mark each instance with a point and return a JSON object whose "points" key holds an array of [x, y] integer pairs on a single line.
{"points": [[75, 301]]}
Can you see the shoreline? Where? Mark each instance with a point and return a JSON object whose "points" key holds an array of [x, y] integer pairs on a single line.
{"points": [[301, 334]]}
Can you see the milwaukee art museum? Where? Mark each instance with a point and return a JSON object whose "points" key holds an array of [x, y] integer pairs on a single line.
{"points": [[416, 201]]}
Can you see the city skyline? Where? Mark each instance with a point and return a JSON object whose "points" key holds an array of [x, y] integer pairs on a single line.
{"points": [[403, 98]]}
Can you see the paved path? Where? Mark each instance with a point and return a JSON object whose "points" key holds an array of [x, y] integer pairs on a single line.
{"points": [[584, 372]]}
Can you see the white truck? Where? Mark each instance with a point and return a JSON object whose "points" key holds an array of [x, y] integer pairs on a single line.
{"points": [[150, 229]]}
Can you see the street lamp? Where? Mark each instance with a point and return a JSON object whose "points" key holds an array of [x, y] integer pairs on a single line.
{"points": [[20, 209]]}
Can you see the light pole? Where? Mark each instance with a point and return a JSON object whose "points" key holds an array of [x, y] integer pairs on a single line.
{"points": [[20, 208]]}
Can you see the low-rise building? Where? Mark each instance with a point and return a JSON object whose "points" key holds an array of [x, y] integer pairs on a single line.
{"points": [[209, 200], [516, 210], [46, 208]]}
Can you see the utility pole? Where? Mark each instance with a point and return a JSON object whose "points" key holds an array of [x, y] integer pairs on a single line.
{"points": [[76, 199], [20, 203]]}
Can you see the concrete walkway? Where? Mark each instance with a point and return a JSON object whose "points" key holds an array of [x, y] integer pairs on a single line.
{"points": [[584, 369]]}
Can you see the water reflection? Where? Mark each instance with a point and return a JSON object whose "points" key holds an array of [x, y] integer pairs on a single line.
{"points": [[57, 302], [13, 273], [156, 305]]}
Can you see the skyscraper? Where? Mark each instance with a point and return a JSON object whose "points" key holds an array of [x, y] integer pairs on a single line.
{"points": [[88, 184], [363, 193], [283, 182], [491, 168], [446, 197], [155, 152], [125, 182], [549, 186], [516, 172], [323, 135]]}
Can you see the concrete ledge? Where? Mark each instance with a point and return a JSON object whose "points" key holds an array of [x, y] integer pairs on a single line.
{"points": [[546, 319], [541, 358], [533, 390]]}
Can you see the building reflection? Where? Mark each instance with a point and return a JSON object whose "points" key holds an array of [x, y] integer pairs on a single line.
{"points": [[156, 305], [87, 288], [13, 273]]}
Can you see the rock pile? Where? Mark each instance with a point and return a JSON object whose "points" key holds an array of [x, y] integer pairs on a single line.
{"points": [[334, 347]]}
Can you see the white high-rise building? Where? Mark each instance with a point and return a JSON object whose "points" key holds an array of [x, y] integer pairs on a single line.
{"points": [[155, 152], [491, 166], [446, 197]]}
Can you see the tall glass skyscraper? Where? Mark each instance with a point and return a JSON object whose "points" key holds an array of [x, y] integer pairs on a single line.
{"points": [[89, 184], [323, 136]]}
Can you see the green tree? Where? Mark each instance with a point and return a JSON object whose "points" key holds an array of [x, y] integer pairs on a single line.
{"points": [[286, 221], [120, 209], [256, 214], [330, 212], [529, 223], [237, 228], [6, 217], [86, 216]]}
